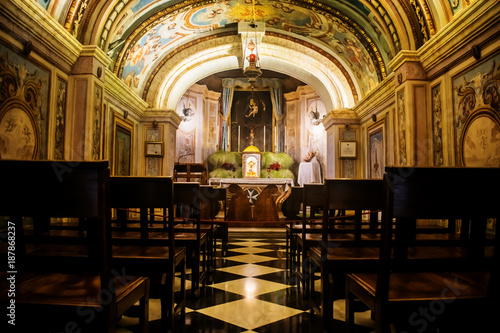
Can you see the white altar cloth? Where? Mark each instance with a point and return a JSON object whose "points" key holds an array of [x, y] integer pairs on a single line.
{"points": [[309, 172]]}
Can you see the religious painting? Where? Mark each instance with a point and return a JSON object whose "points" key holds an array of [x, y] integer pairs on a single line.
{"points": [[376, 151], [23, 107], [481, 142], [252, 120], [18, 133], [122, 146]]}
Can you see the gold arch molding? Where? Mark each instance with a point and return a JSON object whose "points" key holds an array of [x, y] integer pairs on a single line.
{"points": [[332, 80]]}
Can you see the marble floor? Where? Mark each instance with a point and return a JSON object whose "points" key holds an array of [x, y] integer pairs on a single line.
{"points": [[250, 292]]}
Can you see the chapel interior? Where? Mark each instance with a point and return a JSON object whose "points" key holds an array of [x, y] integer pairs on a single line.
{"points": [[249, 166]]}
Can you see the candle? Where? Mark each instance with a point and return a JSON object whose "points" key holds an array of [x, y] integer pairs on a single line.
{"points": [[284, 143], [264, 138], [238, 138]]}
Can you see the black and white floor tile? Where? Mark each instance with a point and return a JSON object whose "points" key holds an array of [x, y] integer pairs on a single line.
{"points": [[250, 292]]}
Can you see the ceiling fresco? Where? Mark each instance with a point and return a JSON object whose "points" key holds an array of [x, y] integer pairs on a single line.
{"points": [[335, 33], [361, 36]]}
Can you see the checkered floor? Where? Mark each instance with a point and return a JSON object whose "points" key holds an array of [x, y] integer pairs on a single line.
{"points": [[250, 292]]}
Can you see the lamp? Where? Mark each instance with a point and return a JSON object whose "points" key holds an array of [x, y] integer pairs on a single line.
{"points": [[251, 39]]}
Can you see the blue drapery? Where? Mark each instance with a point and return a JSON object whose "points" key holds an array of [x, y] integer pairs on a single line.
{"points": [[227, 96], [276, 97]]}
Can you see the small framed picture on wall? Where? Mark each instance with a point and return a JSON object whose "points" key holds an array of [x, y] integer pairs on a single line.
{"points": [[154, 148], [347, 149]]}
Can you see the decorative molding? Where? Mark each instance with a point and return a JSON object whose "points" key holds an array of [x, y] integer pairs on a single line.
{"points": [[437, 129], [379, 96], [96, 52], [340, 117], [163, 116], [471, 23], [117, 89], [402, 57], [403, 160], [43, 28], [475, 92], [421, 19], [96, 131], [60, 126]]}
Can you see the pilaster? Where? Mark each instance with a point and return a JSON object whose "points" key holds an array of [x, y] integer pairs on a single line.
{"points": [[86, 109], [342, 125], [412, 115], [159, 126]]}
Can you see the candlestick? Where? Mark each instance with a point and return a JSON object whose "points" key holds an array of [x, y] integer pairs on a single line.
{"points": [[284, 143], [238, 138], [264, 138]]}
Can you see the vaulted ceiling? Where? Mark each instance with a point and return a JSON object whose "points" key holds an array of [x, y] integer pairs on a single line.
{"points": [[342, 48]]}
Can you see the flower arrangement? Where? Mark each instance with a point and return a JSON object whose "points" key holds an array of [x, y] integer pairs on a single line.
{"points": [[224, 164], [227, 166], [275, 166]]}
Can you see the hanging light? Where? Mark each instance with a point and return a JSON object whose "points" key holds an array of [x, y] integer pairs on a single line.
{"points": [[251, 38]]}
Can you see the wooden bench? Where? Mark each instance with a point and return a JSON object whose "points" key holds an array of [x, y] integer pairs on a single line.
{"points": [[430, 283], [212, 201], [188, 172], [90, 295], [312, 196], [346, 244], [189, 233], [136, 252], [291, 209]]}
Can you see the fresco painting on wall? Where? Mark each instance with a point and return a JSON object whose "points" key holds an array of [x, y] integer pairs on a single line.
{"points": [[17, 135], [23, 107], [325, 28], [481, 146]]}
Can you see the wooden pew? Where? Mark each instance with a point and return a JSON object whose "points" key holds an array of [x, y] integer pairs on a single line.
{"points": [[189, 234], [212, 201], [425, 284], [136, 252], [345, 247], [93, 295], [312, 197], [291, 208]]}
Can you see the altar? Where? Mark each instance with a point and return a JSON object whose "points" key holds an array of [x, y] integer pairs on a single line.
{"points": [[254, 199]]}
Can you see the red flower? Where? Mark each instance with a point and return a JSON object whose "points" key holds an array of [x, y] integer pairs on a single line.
{"points": [[227, 166], [275, 166]]}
